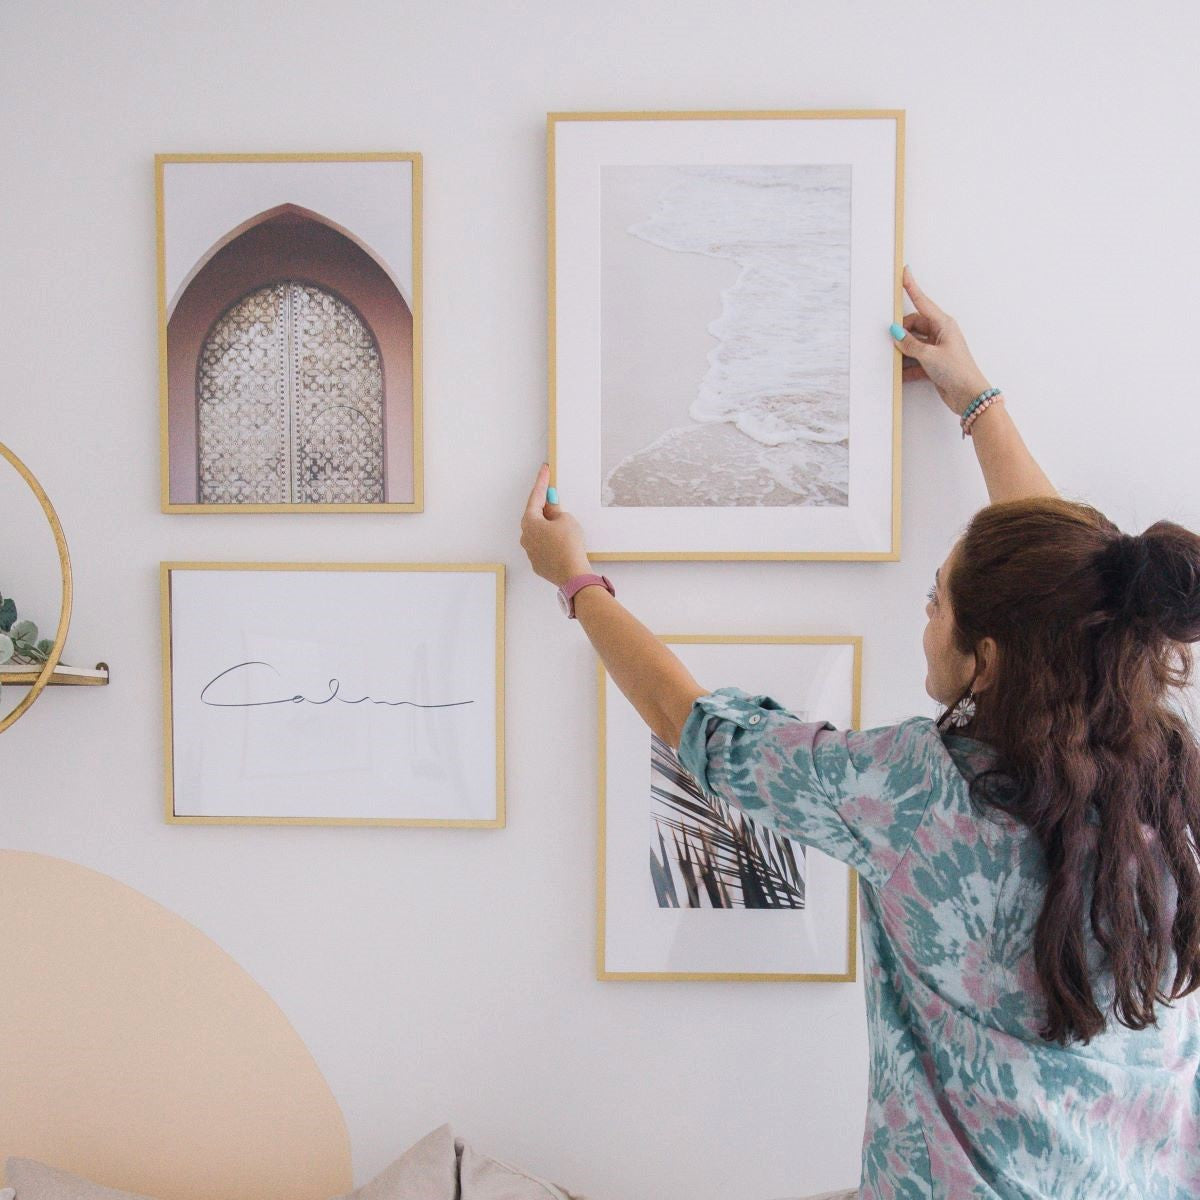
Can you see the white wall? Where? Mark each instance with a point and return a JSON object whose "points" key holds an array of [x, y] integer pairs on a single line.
{"points": [[1052, 170]]}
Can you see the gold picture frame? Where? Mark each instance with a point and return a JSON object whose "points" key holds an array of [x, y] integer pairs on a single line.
{"points": [[849, 975], [553, 121], [161, 161], [172, 818]]}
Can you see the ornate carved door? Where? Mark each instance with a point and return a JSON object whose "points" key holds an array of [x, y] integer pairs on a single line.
{"points": [[290, 402]]}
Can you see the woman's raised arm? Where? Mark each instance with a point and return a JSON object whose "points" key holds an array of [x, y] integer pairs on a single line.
{"points": [[651, 677]]}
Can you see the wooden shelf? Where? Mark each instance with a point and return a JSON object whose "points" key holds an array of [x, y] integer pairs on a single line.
{"points": [[63, 676]]}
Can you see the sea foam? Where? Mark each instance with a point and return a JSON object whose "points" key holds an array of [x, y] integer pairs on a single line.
{"points": [[780, 368]]}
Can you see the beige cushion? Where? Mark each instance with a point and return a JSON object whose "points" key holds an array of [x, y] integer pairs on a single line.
{"points": [[485, 1178], [427, 1170]]}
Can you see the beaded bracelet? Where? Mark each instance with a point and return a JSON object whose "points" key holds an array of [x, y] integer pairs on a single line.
{"points": [[975, 415], [966, 412], [970, 411]]}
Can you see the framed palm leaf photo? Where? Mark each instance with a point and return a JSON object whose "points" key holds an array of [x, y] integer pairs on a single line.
{"points": [[689, 887]]}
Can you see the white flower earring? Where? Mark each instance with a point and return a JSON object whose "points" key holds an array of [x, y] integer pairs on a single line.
{"points": [[964, 710]]}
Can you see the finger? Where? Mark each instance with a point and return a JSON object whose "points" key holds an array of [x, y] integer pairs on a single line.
{"points": [[924, 305], [916, 323], [913, 373], [909, 344], [537, 498]]}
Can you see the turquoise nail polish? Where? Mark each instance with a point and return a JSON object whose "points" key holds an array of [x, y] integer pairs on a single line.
{"points": [[551, 495], [898, 332]]}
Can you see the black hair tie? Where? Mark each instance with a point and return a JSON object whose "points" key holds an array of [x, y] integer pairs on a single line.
{"points": [[1123, 562]]}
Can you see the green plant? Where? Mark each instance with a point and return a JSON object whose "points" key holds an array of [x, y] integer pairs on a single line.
{"points": [[717, 849], [19, 642]]}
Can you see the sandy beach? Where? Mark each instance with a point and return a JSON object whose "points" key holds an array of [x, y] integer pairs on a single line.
{"points": [[716, 465]]}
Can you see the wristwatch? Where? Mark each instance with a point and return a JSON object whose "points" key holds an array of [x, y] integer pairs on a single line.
{"points": [[566, 593]]}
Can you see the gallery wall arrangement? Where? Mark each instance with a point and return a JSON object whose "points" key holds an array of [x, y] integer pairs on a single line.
{"points": [[717, 391]]}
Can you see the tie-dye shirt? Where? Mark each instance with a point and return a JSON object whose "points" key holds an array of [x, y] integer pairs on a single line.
{"points": [[966, 1101]]}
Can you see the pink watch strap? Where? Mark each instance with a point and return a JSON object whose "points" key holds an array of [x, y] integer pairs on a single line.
{"points": [[578, 582]]}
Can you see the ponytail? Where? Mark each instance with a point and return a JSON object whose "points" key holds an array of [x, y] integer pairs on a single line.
{"points": [[1093, 629]]}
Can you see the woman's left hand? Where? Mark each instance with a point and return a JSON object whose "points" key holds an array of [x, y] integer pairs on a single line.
{"points": [[553, 539]]}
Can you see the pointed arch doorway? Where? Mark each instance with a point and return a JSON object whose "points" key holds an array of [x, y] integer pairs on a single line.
{"points": [[290, 402], [291, 377]]}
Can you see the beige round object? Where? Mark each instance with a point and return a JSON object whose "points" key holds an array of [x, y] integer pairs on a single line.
{"points": [[140, 1055]]}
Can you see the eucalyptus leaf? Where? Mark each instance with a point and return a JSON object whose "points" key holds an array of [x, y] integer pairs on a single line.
{"points": [[6, 647], [45, 646], [25, 631], [8, 614]]}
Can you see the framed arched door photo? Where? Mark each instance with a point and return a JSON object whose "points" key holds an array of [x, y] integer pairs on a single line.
{"points": [[290, 332]]}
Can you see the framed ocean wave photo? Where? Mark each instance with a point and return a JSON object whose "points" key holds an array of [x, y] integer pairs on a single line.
{"points": [[334, 693], [722, 384], [690, 887]]}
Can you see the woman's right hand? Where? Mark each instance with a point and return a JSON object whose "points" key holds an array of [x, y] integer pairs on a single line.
{"points": [[934, 349]]}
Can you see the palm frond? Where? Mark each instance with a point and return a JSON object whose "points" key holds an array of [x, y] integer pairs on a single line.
{"points": [[716, 847], [660, 873]]}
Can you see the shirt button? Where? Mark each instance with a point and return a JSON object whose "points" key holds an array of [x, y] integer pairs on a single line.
{"points": [[754, 720]]}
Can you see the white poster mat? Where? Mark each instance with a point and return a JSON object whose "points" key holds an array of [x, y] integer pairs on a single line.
{"points": [[869, 147], [811, 679], [383, 644]]}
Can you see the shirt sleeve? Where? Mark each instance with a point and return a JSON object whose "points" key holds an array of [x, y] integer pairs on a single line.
{"points": [[858, 795]]}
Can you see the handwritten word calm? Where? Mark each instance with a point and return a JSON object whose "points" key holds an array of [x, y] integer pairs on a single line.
{"points": [[334, 685]]}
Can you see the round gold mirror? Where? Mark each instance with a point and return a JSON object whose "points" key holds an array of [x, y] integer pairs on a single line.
{"points": [[35, 578]]}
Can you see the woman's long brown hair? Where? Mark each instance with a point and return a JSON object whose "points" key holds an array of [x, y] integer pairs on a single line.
{"points": [[1092, 627]]}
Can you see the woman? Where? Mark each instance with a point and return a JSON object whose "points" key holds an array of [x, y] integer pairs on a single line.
{"points": [[1030, 886]]}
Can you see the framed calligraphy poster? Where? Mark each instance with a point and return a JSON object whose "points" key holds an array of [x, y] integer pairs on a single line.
{"points": [[334, 693]]}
